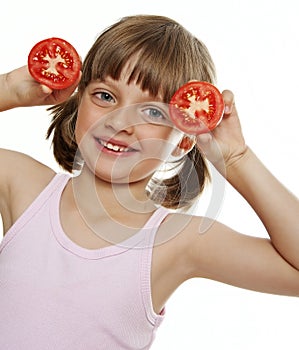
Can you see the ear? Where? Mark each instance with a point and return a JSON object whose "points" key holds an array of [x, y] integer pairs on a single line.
{"points": [[185, 145]]}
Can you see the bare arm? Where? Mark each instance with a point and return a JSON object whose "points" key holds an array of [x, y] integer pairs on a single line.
{"points": [[277, 207], [267, 265], [19, 89], [21, 177]]}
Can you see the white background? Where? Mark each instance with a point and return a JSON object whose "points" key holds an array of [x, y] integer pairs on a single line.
{"points": [[255, 48]]}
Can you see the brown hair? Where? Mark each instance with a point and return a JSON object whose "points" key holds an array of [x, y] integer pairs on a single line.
{"points": [[168, 57]]}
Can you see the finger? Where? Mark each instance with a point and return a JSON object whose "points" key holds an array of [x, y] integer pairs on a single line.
{"points": [[46, 90], [205, 143], [229, 101], [204, 139], [209, 147]]}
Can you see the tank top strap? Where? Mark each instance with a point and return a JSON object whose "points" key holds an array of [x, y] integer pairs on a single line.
{"points": [[156, 219], [151, 227], [57, 182]]}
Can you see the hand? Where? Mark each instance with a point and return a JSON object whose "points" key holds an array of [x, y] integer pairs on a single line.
{"points": [[19, 89], [225, 144]]}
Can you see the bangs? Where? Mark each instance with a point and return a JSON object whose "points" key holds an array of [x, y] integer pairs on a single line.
{"points": [[163, 54], [159, 55]]}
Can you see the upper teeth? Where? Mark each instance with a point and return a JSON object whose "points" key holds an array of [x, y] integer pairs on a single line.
{"points": [[113, 147]]}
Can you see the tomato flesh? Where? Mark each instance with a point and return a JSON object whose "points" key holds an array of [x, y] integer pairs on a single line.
{"points": [[196, 107], [55, 63]]}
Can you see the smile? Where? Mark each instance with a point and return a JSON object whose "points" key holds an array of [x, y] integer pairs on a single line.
{"points": [[113, 147]]}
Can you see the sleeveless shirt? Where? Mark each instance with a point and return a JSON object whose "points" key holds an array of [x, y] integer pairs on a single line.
{"points": [[57, 295]]}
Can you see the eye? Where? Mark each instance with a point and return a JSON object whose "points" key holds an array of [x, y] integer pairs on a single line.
{"points": [[103, 98], [154, 113]]}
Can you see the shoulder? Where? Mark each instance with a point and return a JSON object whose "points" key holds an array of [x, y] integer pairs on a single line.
{"points": [[22, 178], [18, 168], [206, 248], [190, 246], [202, 244], [176, 245]]}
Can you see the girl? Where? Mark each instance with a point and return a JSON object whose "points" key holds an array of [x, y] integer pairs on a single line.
{"points": [[89, 261]]}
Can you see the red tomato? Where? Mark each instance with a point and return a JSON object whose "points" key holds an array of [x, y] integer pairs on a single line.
{"points": [[196, 107], [54, 62]]}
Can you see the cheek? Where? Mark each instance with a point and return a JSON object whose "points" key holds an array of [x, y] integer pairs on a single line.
{"points": [[85, 121], [162, 144], [80, 130], [144, 169], [80, 125]]}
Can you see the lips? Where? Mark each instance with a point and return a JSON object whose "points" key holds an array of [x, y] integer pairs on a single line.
{"points": [[114, 146]]}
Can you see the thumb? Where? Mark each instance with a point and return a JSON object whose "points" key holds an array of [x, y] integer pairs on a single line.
{"points": [[204, 142], [204, 139], [46, 90], [209, 146]]}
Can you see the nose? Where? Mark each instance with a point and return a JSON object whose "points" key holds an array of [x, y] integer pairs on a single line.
{"points": [[121, 120]]}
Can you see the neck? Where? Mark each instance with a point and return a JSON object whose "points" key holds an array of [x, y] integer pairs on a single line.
{"points": [[98, 195]]}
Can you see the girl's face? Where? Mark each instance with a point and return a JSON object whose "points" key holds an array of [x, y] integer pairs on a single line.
{"points": [[122, 132]]}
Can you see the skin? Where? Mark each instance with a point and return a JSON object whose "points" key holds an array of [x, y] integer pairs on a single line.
{"points": [[113, 109], [180, 253]]}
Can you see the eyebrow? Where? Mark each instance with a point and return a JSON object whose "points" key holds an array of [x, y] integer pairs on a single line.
{"points": [[112, 83], [108, 80]]}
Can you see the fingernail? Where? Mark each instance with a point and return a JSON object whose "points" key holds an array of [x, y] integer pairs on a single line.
{"points": [[46, 89], [226, 109], [204, 138]]}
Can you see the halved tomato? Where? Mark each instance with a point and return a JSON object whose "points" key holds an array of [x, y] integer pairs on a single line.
{"points": [[54, 62], [196, 107]]}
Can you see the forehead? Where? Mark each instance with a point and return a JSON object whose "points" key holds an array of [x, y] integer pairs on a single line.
{"points": [[128, 69], [130, 79], [132, 75], [125, 91]]}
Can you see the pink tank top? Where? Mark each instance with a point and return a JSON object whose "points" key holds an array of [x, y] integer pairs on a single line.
{"points": [[56, 295]]}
